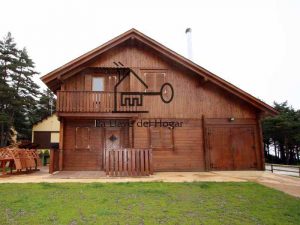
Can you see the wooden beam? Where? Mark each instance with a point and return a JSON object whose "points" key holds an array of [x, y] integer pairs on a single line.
{"points": [[51, 165], [261, 143], [202, 81], [226, 121], [61, 144], [205, 145], [98, 115]]}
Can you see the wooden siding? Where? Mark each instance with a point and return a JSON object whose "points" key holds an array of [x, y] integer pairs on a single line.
{"points": [[187, 153], [90, 153], [82, 159], [54, 161], [192, 97]]}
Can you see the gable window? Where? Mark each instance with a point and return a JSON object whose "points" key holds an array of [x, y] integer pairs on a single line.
{"points": [[162, 138], [98, 84], [82, 138]]}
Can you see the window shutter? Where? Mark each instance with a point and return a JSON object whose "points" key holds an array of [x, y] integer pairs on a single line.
{"points": [[161, 138], [82, 139], [154, 79], [167, 137], [150, 81], [160, 80], [155, 137]]}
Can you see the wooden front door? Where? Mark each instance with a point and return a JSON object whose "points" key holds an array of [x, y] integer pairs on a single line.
{"points": [[115, 138], [231, 148], [112, 139]]}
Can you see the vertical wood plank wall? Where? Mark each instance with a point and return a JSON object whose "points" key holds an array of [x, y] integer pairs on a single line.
{"points": [[187, 153], [192, 99], [83, 159]]}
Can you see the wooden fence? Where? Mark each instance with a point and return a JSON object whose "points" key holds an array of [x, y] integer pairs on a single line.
{"points": [[287, 169], [129, 162]]}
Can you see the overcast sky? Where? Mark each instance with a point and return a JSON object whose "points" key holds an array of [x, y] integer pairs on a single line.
{"points": [[255, 45]]}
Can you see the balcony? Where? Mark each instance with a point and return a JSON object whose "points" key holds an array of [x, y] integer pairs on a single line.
{"points": [[92, 102]]}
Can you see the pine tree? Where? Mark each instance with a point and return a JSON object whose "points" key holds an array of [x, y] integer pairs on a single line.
{"points": [[18, 92], [8, 57], [46, 104], [8, 65], [22, 79], [27, 94]]}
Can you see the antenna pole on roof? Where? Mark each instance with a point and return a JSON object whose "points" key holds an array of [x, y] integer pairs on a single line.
{"points": [[50, 103]]}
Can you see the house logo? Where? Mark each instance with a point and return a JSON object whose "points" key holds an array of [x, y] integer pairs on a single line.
{"points": [[132, 101]]}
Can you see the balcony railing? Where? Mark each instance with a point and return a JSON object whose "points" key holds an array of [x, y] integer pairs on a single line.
{"points": [[90, 102]]}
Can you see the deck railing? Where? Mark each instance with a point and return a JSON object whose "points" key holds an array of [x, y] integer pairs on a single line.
{"points": [[129, 162], [90, 101]]}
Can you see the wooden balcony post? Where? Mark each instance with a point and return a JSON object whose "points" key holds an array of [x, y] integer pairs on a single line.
{"points": [[61, 144]]}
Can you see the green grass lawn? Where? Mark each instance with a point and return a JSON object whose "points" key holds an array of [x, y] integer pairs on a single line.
{"points": [[146, 203]]}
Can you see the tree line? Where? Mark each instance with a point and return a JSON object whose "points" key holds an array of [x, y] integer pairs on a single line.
{"points": [[22, 102], [282, 135]]}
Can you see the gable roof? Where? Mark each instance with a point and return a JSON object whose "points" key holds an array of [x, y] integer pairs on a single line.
{"points": [[44, 118], [52, 79]]}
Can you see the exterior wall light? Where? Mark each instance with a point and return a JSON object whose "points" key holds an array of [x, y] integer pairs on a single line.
{"points": [[231, 119]]}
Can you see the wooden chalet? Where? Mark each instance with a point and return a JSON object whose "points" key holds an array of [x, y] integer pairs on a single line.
{"points": [[132, 106]]}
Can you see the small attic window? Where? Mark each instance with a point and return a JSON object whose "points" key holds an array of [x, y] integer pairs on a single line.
{"points": [[98, 84]]}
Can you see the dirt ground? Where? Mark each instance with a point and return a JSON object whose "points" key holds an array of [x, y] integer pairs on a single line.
{"points": [[287, 184]]}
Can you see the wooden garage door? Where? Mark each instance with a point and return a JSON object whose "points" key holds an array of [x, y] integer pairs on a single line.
{"points": [[243, 146], [219, 147], [232, 148], [42, 138]]}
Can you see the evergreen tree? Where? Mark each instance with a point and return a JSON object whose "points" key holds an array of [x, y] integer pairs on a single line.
{"points": [[27, 94], [8, 57], [46, 104], [282, 134], [18, 92], [8, 65]]}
